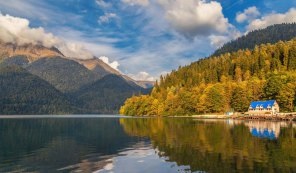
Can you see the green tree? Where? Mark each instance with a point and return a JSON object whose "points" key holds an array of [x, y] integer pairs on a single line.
{"points": [[239, 100], [273, 86], [215, 100], [292, 58], [286, 97]]}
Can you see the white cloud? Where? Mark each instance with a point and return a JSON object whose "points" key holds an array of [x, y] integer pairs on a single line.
{"points": [[136, 2], [218, 40], [195, 17], [74, 50], [113, 64], [142, 76], [273, 18], [107, 17], [103, 4], [17, 30], [248, 14]]}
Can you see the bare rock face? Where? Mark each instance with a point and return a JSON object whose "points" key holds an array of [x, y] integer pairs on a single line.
{"points": [[36, 52], [32, 52]]}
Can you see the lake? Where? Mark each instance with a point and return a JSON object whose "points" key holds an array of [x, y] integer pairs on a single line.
{"points": [[151, 145]]}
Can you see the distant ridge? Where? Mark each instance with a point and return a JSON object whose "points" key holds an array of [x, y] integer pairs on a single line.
{"points": [[271, 34]]}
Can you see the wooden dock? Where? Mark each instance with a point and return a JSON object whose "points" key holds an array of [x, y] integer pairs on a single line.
{"points": [[278, 117]]}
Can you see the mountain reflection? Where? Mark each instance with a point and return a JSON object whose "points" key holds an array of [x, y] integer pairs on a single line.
{"points": [[61, 145], [219, 146]]}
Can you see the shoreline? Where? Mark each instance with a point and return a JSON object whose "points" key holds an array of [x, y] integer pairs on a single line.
{"points": [[291, 118], [242, 117]]}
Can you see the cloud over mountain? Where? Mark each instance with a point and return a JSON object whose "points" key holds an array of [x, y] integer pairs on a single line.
{"points": [[273, 18], [113, 64], [18, 31]]}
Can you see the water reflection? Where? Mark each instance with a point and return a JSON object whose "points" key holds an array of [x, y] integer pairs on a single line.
{"points": [[262, 129], [218, 146], [61, 145], [266, 129], [144, 160], [144, 145]]}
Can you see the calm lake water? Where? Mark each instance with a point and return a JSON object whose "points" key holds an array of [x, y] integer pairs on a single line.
{"points": [[152, 145]]}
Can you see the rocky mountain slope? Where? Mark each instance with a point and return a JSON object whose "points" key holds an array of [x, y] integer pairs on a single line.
{"points": [[32, 52]]}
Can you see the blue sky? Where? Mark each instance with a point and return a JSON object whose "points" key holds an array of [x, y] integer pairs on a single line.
{"points": [[150, 37]]}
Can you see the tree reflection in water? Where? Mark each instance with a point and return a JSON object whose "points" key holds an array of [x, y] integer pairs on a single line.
{"points": [[219, 146], [144, 144]]}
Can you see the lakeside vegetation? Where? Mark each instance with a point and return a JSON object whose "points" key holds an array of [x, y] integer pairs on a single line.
{"points": [[227, 82]]}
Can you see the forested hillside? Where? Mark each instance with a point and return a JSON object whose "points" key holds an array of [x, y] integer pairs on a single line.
{"points": [[224, 83], [24, 93], [64, 74], [106, 95], [271, 34], [42, 80]]}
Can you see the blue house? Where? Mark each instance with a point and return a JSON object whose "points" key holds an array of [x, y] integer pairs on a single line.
{"points": [[268, 107]]}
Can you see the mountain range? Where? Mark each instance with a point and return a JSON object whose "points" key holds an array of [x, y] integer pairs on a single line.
{"points": [[39, 80]]}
